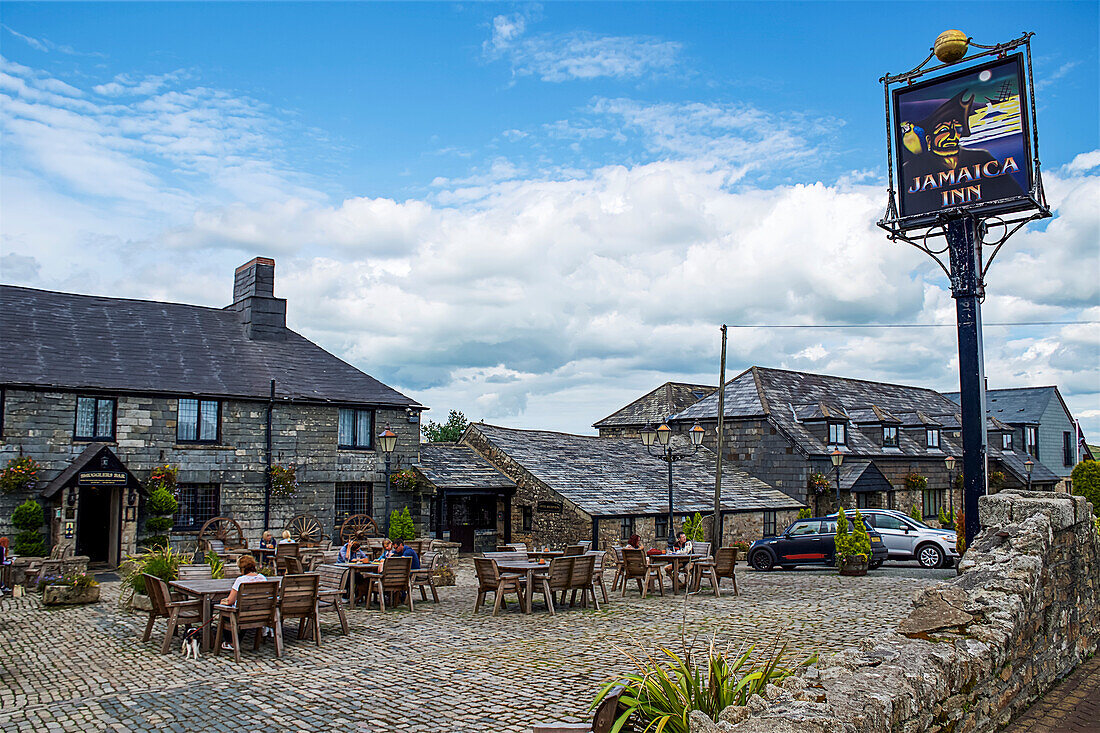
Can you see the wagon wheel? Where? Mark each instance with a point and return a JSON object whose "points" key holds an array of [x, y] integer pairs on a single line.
{"points": [[358, 527], [222, 528], [305, 530]]}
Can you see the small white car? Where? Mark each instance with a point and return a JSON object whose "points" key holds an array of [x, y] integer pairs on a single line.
{"points": [[907, 539]]}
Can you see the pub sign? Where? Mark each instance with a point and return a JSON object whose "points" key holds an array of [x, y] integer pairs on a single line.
{"points": [[102, 478], [962, 142]]}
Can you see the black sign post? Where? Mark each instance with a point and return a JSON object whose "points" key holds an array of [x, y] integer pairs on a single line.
{"points": [[967, 161]]}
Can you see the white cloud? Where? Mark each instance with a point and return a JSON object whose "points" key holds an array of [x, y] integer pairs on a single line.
{"points": [[579, 54]]}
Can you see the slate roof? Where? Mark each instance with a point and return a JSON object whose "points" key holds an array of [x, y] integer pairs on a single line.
{"points": [[89, 454], [656, 406], [862, 476], [1013, 462], [789, 397], [67, 341], [450, 466], [615, 476], [1021, 405]]}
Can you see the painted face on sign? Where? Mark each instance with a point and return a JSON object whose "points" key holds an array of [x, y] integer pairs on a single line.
{"points": [[944, 139]]}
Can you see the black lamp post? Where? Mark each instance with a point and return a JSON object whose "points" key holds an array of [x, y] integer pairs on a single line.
{"points": [[950, 461], [387, 441], [837, 458], [1028, 465], [663, 436]]}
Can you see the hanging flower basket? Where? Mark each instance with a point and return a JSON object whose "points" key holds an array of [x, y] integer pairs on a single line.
{"points": [[21, 473], [404, 480], [916, 482], [163, 477], [818, 483], [283, 480]]}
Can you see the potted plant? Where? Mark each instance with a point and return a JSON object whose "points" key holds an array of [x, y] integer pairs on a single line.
{"points": [[77, 588], [401, 525], [162, 506], [853, 549], [159, 561], [28, 518]]}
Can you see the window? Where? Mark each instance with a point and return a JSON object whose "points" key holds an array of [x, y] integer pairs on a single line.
{"points": [[932, 437], [197, 421], [863, 500], [1031, 441], [660, 527], [933, 502], [886, 521], [889, 436], [837, 434], [198, 503], [804, 528], [1067, 449], [356, 428], [769, 524], [352, 497], [626, 528], [528, 518], [1006, 441], [95, 418]]}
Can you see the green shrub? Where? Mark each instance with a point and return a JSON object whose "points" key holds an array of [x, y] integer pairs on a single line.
{"points": [[1086, 483], [693, 528], [947, 518], [161, 505], [804, 513], [915, 513], [217, 565], [843, 541], [28, 517], [401, 525], [860, 541], [160, 561], [663, 691]]}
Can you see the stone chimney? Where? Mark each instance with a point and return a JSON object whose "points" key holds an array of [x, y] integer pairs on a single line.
{"points": [[263, 315]]}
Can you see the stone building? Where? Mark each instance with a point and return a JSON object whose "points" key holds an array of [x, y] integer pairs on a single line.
{"points": [[569, 488], [652, 408], [1040, 425], [101, 390], [782, 427]]}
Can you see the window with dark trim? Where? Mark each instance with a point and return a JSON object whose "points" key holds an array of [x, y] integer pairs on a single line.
{"points": [[198, 504], [769, 524], [95, 418], [528, 516], [197, 421], [863, 500], [1067, 449], [660, 527], [889, 436], [626, 528], [932, 499], [356, 428], [352, 497], [838, 434], [932, 437], [1006, 441], [1031, 441]]}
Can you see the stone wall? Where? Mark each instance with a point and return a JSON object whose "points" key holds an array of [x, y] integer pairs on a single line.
{"points": [[974, 651], [40, 424]]}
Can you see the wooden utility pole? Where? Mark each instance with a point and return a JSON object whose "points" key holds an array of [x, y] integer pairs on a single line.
{"points": [[717, 524]]}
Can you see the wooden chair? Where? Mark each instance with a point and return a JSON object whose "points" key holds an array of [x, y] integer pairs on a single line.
{"points": [[396, 577], [597, 573], [608, 711], [580, 581], [331, 588], [231, 571], [517, 547], [617, 563], [298, 599], [573, 550], [284, 553], [725, 566], [425, 576], [558, 578], [163, 606], [508, 556], [195, 572], [491, 580], [257, 607], [586, 544], [636, 566]]}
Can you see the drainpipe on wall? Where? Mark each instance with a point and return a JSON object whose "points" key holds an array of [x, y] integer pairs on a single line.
{"points": [[717, 523], [267, 473]]}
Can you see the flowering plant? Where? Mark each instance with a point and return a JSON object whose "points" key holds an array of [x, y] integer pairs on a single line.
{"points": [[404, 480], [819, 482], [283, 479], [916, 482], [163, 477], [21, 473]]}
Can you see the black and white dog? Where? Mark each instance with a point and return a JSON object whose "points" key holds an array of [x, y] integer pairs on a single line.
{"points": [[192, 641]]}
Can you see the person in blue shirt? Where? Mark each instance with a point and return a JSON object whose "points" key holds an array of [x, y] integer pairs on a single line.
{"points": [[401, 550], [350, 551]]}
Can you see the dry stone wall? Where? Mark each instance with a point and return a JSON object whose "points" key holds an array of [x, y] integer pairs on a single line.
{"points": [[974, 651]]}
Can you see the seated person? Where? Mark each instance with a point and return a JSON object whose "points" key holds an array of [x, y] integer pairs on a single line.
{"points": [[249, 574], [682, 546], [286, 537], [634, 542], [351, 551], [387, 549], [267, 541], [400, 549]]}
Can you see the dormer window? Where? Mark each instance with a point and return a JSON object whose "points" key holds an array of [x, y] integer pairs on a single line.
{"points": [[838, 435], [1006, 441], [889, 436], [932, 437]]}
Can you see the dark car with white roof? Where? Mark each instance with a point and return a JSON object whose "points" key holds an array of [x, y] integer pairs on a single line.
{"points": [[809, 541]]}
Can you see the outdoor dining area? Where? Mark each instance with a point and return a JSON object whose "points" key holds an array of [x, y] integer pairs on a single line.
{"points": [[580, 573]]}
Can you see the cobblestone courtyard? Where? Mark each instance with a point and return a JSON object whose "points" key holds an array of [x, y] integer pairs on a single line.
{"points": [[440, 668]]}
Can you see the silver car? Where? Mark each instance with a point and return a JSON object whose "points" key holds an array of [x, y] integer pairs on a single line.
{"points": [[907, 539]]}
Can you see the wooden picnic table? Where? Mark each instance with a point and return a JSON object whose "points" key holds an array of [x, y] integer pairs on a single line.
{"points": [[209, 592], [355, 569], [265, 555], [529, 568], [544, 554], [676, 560]]}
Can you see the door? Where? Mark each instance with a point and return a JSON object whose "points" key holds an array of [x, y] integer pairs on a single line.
{"points": [[803, 544], [896, 534], [93, 523]]}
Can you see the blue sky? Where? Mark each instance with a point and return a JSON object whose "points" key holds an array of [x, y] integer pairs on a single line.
{"points": [[534, 213]]}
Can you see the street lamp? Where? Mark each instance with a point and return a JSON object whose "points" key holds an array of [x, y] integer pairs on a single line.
{"points": [[950, 461], [663, 437], [1028, 465], [387, 441], [837, 458]]}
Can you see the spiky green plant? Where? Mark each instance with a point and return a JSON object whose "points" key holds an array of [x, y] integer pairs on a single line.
{"points": [[217, 565], [161, 562]]}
